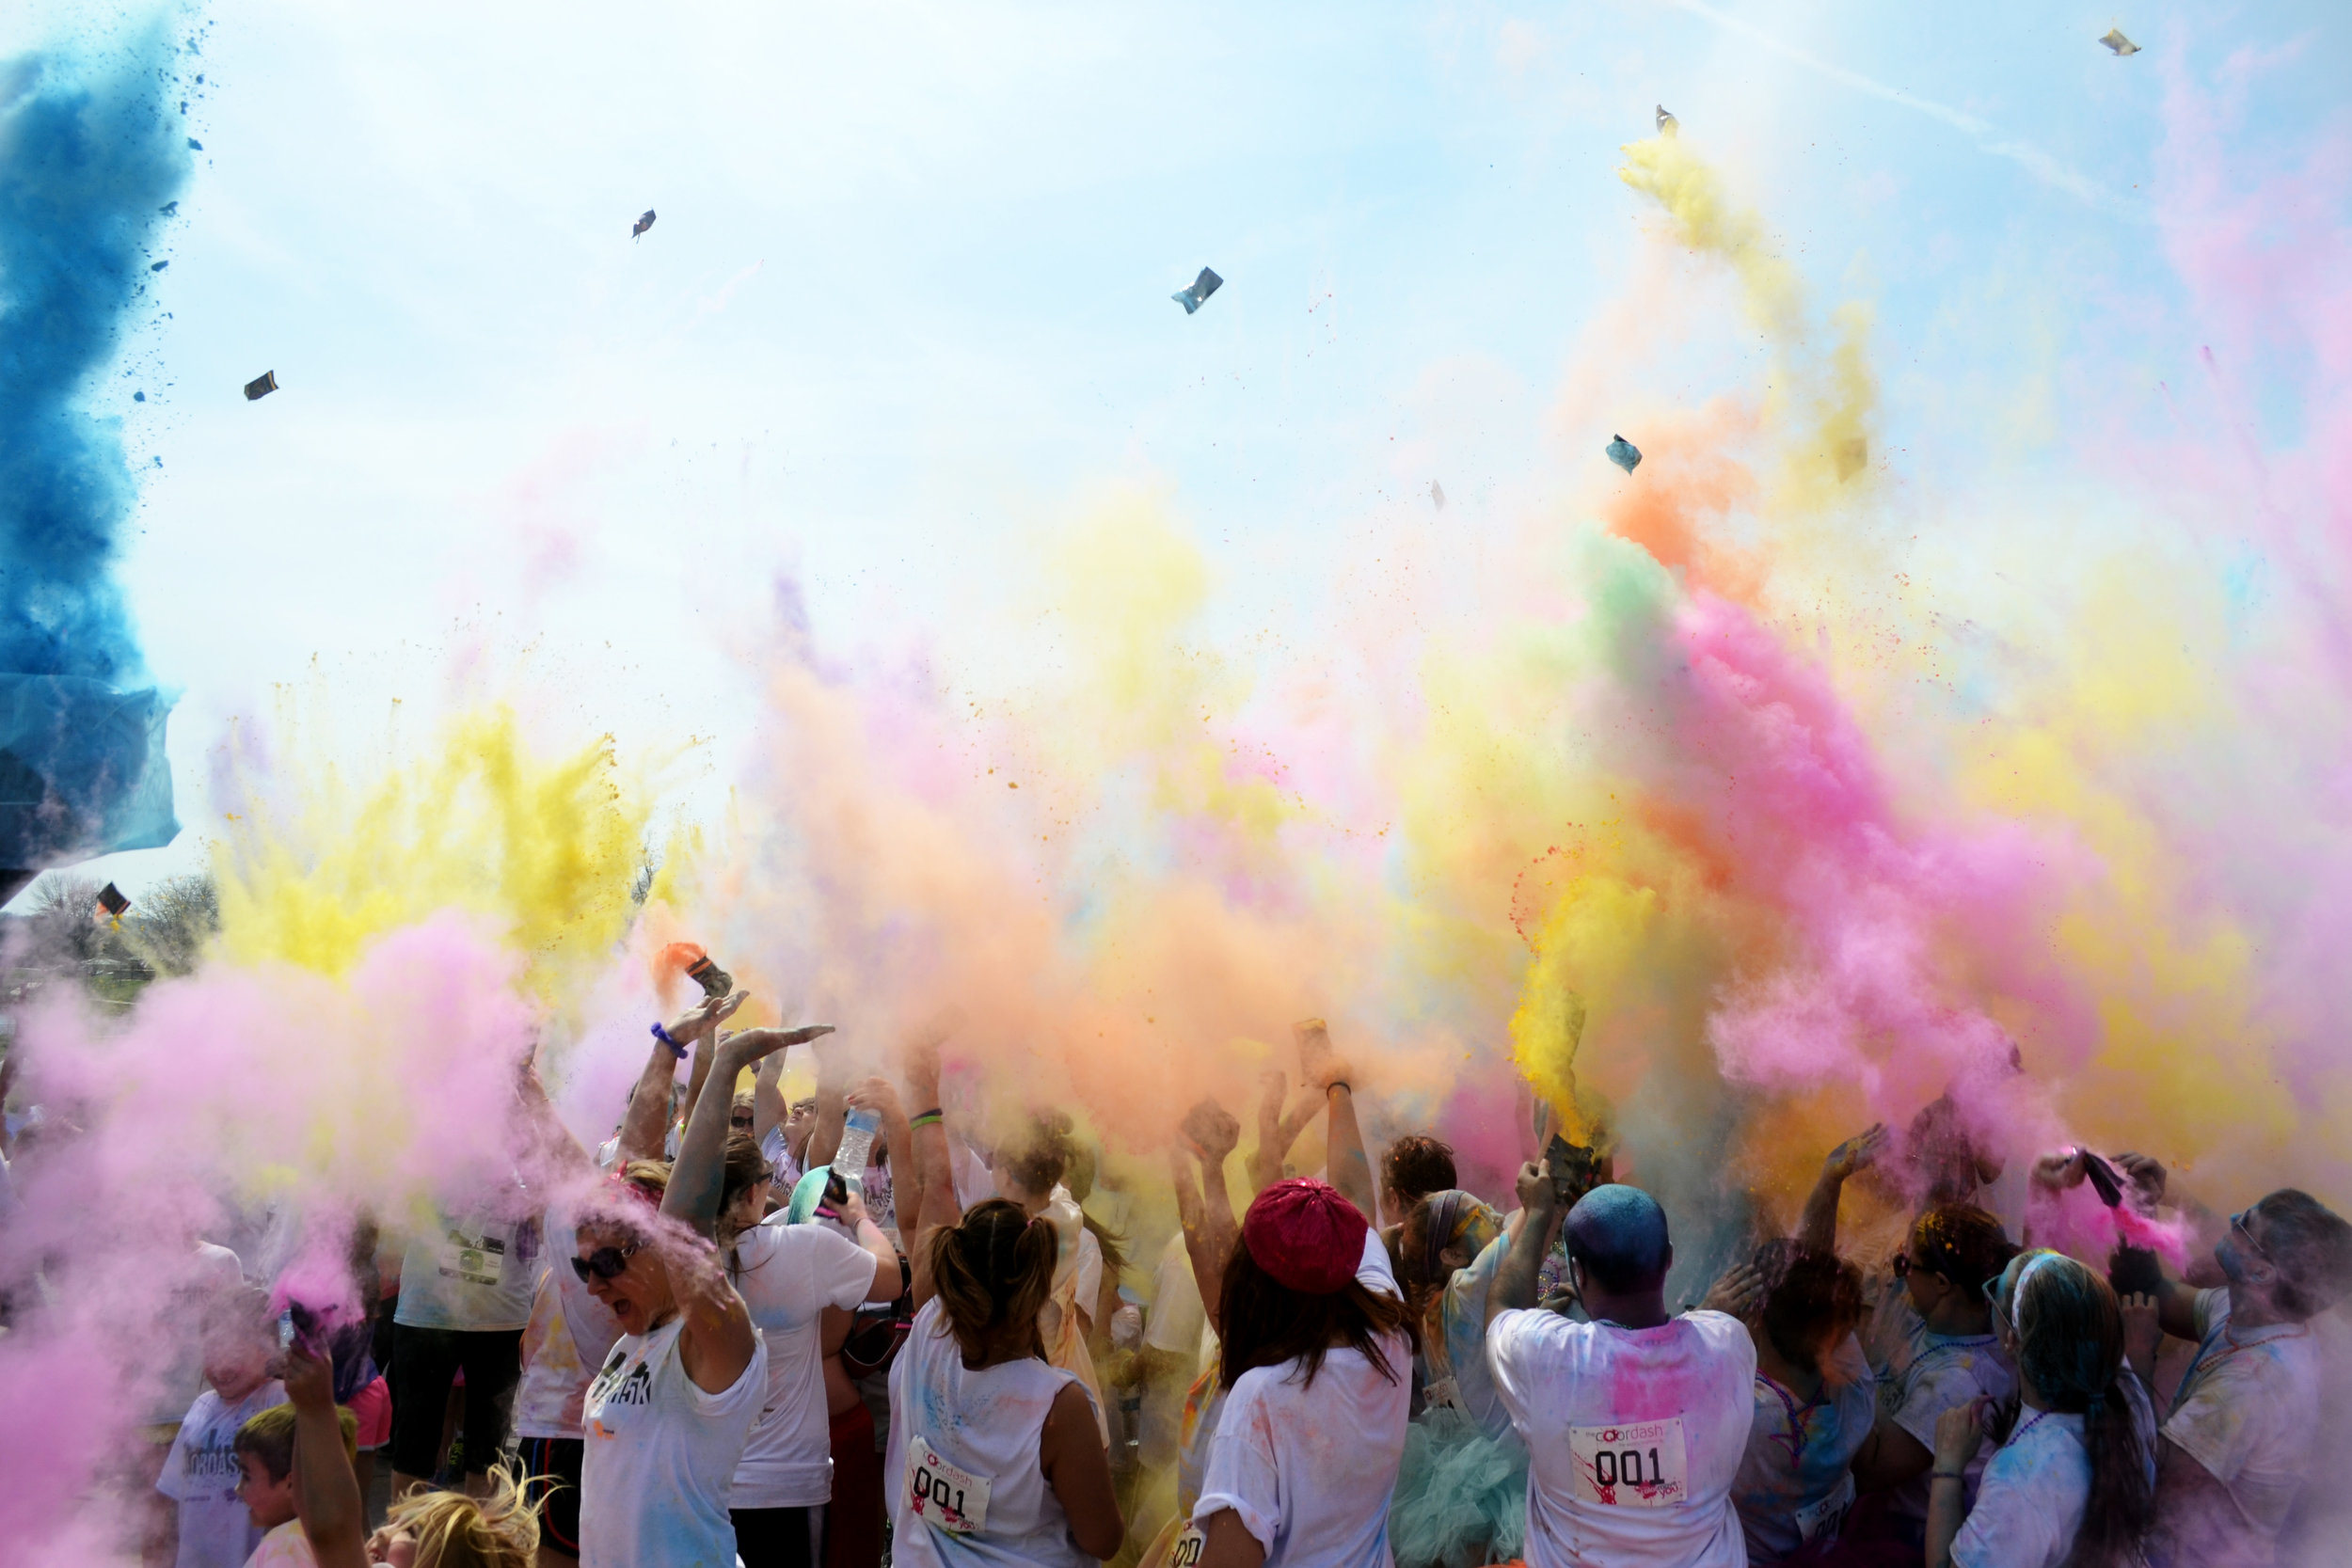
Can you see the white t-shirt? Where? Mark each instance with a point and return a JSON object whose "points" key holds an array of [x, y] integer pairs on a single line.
{"points": [[472, 1273], [1796, 1479], [787, 1275], [1921, 1374], [201, 1474], [1176, 1310], [2031, 1501], [1309, 1471], [568, 1336], [1634, 1436], [658, 1456], [2248, 1411], [976, 1431]]}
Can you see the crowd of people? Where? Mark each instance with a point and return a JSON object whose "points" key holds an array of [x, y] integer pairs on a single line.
{"points": [[732, 1336]]}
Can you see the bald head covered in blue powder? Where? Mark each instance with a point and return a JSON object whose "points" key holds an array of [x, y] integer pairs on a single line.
{"points": [[1617, 1234]]}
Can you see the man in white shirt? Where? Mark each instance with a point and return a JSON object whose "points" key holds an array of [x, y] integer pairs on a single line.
{"points": [[2237, 1445], [1636, 1421]]}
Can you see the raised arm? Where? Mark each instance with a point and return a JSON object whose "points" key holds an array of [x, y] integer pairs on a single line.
{"points": [[1211, 1232], [1516, 1277], [832, 1110], [645, 1127], [699, 1177], [881, 1096], [767, 1106], [548, 1149], [326, 1492], [1351, 1170], [1817, 1230], [935, 1167], [1277, 1128]]}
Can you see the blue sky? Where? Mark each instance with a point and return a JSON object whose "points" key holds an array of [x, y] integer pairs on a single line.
{"points": [[906, 303]]}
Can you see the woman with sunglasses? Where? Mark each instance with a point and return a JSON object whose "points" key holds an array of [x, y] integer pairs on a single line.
{"points": [[1931, 1347], [668, 1415], [2073, 1478], [568, 1339]]}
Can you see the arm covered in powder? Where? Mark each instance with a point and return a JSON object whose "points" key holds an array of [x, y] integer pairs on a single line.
{"points": [[1817, 1230], [1350, 1168]]}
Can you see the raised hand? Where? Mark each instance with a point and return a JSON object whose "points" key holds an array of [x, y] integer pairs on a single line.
{"points": [[705, 1016], [1277, 1129], [1856, 1154], [746, 1046], [1212, 1130], [2147, 1176], [1318, 1063], [2059, 1172], [1738, 1291]]}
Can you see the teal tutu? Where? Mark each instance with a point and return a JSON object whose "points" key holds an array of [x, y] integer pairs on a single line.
{"points": [[1461, 1497]]}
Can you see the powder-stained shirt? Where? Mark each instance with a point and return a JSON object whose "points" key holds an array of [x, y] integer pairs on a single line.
{"points": [[1634, 1436], [1309, 1471], [1463, 1316], [2035, 1490], [285, 1546], [2246, 1411], [201, 1474], [564, 1342], [1796, 1479], [471, 1272], [787, 1275], [1921, 1374]]}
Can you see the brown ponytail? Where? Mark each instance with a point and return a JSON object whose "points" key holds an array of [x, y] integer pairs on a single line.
{"points": [[992, 1274]]}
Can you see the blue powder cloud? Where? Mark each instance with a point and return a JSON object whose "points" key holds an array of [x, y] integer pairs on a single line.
{"points": [[90, 155]]}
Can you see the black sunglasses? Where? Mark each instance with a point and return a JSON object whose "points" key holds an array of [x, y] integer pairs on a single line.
{"points": [[1901, 1265], [606, 1262]]}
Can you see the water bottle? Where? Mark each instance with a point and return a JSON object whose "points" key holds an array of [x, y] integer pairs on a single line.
{"points": [[857, 1142]]}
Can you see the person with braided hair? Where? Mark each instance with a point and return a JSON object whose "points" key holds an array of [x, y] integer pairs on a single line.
{"points": [[2074, 1479], [996, 1457]]}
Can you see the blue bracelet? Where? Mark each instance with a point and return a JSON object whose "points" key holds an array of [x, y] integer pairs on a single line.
{"points": [[663, 1036]]}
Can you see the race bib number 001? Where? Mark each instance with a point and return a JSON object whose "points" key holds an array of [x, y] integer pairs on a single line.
{"points": [[1641, 1464], [951, 1500], [1187, 1552]]}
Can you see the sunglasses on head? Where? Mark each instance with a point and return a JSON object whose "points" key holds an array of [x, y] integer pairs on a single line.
{"points": [[606, 1262]]}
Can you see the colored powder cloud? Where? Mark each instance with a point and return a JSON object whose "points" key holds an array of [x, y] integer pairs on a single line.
{"points": [[88, 157]]}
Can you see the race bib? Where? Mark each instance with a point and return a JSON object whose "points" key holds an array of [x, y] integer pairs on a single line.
{"points": [[1187, 1552], [951, 1500], [476, 1257], [1639, 1464], [1820, 1522]]}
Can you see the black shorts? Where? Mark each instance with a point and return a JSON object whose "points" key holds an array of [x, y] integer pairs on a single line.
{"points": [[551, 1467], [774, 1537], [424, 1362]]}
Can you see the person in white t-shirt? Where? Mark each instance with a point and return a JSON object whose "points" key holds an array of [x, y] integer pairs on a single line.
{"points": [[2238, 1443], [1317, 1371], [667, 1417], [1636, 1421], [568, 1339], [201, 1473], [996, 1457], [2071, 1482], [787, 1274]]}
